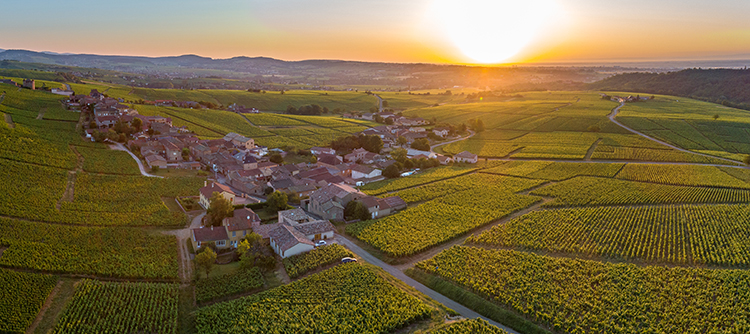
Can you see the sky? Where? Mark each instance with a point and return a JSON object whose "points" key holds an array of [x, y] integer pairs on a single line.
{"points": [[434, 31]]}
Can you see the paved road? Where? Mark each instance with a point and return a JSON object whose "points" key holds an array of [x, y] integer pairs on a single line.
{"points": [[380, 102], [120, 147], [613, 114], [463, 310], [471, 134]]}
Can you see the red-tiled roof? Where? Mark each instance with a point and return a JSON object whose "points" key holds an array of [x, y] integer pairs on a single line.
{"points": [[210, 234]]}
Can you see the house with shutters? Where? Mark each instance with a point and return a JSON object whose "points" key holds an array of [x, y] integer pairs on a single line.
{"points": [[208, 190], [232, 231]]}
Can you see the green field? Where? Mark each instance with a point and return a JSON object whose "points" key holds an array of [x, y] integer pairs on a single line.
{"points": [[120, 307], [101, 251], [349, 298], [443, 218], [21, 297], [678, 234], [576, 296]]}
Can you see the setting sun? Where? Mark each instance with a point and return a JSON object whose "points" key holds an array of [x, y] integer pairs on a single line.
{"points": [[493, 31]]}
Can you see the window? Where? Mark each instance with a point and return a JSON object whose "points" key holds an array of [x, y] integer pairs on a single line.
{"points": [[234, 234], [244, 233], [221, 243], [199, 244]]}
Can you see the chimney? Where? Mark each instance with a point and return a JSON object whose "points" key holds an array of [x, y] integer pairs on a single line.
{"points": [[205, 183]]}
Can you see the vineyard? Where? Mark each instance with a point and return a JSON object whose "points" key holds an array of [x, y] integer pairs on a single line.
{"points": [[299, 265], [681, 175], [121, 252], [21, 297], [108, 161], [226, 285], [128, 200], [473, 326], [24, 144], [439, 220], [431, 175], [682, 234], [348, 298], [577, 296], [606, 152], [593, 191], [108, 307], [504, 184]]}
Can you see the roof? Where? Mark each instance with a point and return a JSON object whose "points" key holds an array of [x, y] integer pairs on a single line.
{"points": [[265, 230], [206, 234], [465, 155], [154, 157], [315, 227], [395, 201], [363, 169], [282, 183], [287, 237], [294, 215], [249, 159], [209, 190], [243, 220], [329, 159], [332, 191], [370, 201]]}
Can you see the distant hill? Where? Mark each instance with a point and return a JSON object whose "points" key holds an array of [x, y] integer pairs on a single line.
{"points": [[724, 86], [314, 72]]}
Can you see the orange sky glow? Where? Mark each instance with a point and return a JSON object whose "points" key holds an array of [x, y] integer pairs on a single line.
{"points": [[435, 31]]}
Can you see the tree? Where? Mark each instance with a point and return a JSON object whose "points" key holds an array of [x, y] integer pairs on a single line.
{"points": [[268, 191], [185, 153], [243, 247], [389, 121], [391, 172], [747, 160], [313, 159], [716, 116], [399, 155], [276, 158], [593, 128], [371, 143], [137, 124], [206, 260], [219, 209], [277, 201], [421, 144], [409, 164], [385, 104], [356, 210]]}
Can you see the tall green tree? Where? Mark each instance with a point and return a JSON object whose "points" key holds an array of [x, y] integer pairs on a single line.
{"points": [[206, 260], [219, 209], [277, 201]]}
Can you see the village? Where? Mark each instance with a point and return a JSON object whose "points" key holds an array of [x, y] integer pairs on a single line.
{"points": [[245, 174]]}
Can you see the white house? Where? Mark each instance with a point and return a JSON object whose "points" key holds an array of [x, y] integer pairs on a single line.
{"points": [[365, 172], [466, 156], [287, 241]]}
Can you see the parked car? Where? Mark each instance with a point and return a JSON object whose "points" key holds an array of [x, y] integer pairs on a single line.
{"points": [[320, 243], [348, 259]]}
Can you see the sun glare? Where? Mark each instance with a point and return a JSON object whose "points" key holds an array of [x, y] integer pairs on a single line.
{"points": [[493, 31]]}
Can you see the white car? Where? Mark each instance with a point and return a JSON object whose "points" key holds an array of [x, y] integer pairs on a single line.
{"points": [[320, 243]]}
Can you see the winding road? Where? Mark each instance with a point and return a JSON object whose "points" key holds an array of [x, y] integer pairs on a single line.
{"points": [[471, 134], [120, 147]]}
